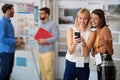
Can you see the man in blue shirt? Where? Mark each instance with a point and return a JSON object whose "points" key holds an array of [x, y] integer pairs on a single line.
{"points": [[7, 42], [46, 52]]}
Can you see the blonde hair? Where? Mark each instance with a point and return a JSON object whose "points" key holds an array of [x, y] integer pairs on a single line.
{"points": [[82, 11]]}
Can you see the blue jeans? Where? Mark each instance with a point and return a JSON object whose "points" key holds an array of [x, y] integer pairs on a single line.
{"points": [[72, 73], [7, 60]]}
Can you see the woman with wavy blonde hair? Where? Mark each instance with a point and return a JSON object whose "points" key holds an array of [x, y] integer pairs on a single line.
{"points": [[79, 47]]}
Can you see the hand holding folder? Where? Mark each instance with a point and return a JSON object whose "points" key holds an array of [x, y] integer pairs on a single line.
{"points": [[42, 33]]}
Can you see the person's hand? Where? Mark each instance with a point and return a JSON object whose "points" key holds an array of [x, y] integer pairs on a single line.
{"points": [[41, 41], [83, 41], [102, 49], [108, 40], [76, 40], [19, 41]]}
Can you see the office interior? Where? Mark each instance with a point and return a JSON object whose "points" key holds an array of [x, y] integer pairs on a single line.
{"points": [[26, 23]]}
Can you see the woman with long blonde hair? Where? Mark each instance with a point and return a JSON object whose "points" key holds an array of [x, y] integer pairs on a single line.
{"points": [[79, 47]]}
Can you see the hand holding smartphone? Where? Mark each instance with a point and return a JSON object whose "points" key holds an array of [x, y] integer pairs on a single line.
{"points": [[77, 34]]}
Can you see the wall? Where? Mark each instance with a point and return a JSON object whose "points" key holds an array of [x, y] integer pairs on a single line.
{"points": [[25, 64], [58, 9], [66, 20]]}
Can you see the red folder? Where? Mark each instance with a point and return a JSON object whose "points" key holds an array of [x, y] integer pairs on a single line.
{"points": [[42, 33]]}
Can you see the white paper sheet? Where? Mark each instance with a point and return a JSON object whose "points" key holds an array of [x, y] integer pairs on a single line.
{"points": [[80, 62], [98, 59]]}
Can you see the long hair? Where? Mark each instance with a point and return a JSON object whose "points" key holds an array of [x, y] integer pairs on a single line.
{"points": [[101, 15], [82, 11]]}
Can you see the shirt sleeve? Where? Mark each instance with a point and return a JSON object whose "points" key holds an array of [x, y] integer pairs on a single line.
{"points": [[108, 35], [3, 37], [54, 31]]}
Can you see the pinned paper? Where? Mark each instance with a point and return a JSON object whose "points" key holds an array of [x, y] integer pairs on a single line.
{"points": [[21, 61], [98, 59], [80, 61]]}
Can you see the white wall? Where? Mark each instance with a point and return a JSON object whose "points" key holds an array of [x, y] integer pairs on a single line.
{"points": [[60, 60], [25, 66]]}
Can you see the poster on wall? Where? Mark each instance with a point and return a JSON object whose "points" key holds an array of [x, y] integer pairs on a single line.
{"points": [[25, 8], [114, 11], [67, 13], [26, 24]]}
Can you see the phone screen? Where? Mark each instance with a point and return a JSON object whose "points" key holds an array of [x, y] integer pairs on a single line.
{"points": [[77, 34]]}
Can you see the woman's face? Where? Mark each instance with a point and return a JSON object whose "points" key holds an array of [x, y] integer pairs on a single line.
{"points": [[83, 20], [95, 20]]}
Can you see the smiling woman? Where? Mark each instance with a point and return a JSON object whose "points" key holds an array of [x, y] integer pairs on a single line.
{"points": [[77, 57], [103, 45]]}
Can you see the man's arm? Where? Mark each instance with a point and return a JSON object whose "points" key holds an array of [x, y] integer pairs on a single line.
{"points": [[3, 37], [55, 33]]}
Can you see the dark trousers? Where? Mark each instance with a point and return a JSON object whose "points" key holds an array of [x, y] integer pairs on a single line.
{"points": [[72, 73], [106, 70], [7, 60]]}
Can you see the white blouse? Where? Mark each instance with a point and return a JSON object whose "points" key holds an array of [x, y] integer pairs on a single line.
{"points": [[78, 48]]}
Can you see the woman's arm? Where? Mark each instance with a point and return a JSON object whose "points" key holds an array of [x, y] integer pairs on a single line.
{"points": [[108, 40], [71, 42], [88, 46]]}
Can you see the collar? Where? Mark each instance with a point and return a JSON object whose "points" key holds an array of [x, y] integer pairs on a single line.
{"points": [[7, 19], [46, 21]]}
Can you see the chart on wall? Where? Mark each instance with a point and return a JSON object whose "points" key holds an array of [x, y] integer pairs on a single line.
{"points": [[26, 27]]}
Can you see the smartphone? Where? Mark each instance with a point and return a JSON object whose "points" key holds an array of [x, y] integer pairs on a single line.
{"points": [[77, 34]]}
